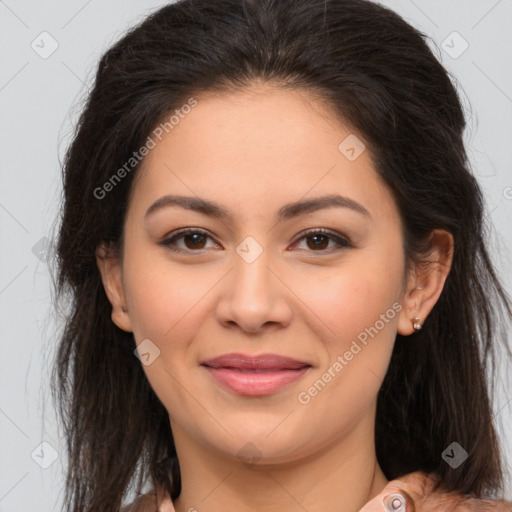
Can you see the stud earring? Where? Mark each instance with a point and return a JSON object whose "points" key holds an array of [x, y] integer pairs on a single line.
{"points": [[416, 323]]}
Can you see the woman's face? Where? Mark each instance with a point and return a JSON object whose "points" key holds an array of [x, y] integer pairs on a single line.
{"points": [[261, 279]]}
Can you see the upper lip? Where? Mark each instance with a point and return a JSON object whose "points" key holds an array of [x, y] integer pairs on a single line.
{"points": [[262, 361]]}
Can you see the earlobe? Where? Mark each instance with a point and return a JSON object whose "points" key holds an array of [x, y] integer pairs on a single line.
{"points": [[426, 283], [110, 269]]}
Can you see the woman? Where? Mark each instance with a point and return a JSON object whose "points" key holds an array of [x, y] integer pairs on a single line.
{"points": [[281, 296]]}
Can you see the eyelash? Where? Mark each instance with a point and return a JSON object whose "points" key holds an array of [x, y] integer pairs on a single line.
{"points": [[343, 242]]}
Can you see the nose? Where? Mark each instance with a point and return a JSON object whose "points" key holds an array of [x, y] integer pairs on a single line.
{"points": [[254, 297]]}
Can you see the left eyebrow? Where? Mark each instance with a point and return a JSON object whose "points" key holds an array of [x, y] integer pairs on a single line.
{"points": [[288, 211], [318, 203]]}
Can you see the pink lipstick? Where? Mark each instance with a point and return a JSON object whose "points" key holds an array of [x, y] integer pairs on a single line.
{"points": [[255, 375]]}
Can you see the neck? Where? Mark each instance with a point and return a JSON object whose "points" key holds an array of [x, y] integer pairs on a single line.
{"points": [[343, 475]]}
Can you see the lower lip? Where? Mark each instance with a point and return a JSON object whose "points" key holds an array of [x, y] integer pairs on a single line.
{"points": [[255, 383]]}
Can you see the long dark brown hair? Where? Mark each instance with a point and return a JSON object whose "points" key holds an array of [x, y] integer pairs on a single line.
{"points": [[376, 73]]}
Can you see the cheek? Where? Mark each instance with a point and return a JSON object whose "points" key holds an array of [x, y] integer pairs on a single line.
{"points": [[358, 306], [362, 310], [166, 305], [349, 299], [163, 296]]}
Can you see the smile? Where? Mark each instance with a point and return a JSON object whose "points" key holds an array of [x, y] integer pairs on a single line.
{"points": [[255, 375]]}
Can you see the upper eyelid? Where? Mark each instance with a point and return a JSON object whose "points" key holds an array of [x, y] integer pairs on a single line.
{"points": [[324, 231]]}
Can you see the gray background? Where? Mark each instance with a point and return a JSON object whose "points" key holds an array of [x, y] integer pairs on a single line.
{"points": [[40, 97]]}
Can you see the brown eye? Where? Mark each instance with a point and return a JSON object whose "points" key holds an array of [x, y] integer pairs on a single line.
{"points": [[194, 240], [318, 240]]}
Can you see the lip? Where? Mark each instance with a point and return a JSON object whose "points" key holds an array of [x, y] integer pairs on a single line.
{"points": [[255, 375]]}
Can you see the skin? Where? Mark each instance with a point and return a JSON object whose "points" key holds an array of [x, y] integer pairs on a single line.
{"points": [[252, 152]]}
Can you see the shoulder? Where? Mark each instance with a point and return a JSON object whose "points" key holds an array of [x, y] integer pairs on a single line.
{"points": [[456, 502], [425, 492]]}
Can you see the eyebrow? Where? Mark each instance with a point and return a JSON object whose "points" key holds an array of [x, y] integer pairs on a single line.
{"points": [[288, 211]]}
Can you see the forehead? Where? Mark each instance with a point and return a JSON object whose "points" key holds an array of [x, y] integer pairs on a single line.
{"points": [[260, 146]]}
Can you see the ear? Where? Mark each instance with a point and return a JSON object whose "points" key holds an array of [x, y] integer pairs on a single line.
{"points": [[426, 281], [111, 271]]}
